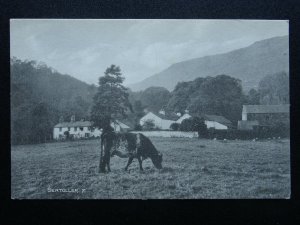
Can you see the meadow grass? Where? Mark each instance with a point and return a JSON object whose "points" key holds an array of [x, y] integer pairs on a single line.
{"points": [[192, 168]]}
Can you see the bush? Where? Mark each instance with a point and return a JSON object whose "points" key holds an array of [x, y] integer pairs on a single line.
{"points": [[186, 125], [174, 126], [194, 124], [148, 125], [199, 126], [67, 135], [138, 127], [259, 132]]}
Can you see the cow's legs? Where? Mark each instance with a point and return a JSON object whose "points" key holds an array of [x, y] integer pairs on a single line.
{"points": [[108, 163], [107, 158], [129, 162], [102, 158], [140, 162]]}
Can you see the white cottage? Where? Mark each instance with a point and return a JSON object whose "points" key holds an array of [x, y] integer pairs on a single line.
{"points": [[217, 122], [211, 121], [75, 129], [82, 129], [161, 120]]}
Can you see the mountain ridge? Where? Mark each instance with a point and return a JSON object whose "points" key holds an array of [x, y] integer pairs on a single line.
{"points": [[250, 64]]}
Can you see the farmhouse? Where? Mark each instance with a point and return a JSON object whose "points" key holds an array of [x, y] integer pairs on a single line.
{"points": [[211, 121], [82, 129], [161, 120], [263, 115], [217, 122]]}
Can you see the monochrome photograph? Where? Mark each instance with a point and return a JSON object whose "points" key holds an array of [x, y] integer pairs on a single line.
{"points": [[149, 109]]}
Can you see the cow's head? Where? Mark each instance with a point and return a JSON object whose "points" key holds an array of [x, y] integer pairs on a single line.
{"points": [[157, 160]]}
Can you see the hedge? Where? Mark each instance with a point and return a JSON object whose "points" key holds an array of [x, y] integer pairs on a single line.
{"points": [[247, 134]]}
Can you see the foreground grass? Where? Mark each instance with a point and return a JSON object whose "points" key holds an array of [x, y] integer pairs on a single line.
{"points": [[193, 168]]}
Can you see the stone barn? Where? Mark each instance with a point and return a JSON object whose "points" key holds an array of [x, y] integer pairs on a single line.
{"points": [[263, 115]]}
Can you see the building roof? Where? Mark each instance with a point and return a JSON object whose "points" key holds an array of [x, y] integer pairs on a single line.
{"points": [[167, 116], [266, 108], [183, 117], [216, 118], [219, 119], [74, 124], [122, 125], [128, 122], [87, 124]]}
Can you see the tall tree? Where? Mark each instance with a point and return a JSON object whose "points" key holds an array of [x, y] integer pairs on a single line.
{"points": [[155, 98], [138, 110], [274, 89], [41, 126], [111, 101], [180, 97], [252, 98], [220, 95]]}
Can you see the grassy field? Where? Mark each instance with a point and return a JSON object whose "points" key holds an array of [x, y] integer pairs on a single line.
{"points": [[193, 168]]}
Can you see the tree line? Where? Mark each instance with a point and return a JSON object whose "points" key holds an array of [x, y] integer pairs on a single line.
{"points": [[41, 95], [220, 95]]}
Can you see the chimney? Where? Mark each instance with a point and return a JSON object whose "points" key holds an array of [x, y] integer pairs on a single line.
{"points": [[162, 112], [73, 118]]}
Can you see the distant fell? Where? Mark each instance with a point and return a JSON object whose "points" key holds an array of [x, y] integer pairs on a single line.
{"points": [[249, 64]]}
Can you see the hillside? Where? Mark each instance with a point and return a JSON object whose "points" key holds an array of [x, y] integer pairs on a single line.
{"points": [[249, 64], [40, 95]]}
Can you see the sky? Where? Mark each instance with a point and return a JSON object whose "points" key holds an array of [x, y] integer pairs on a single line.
{"points": [[85, 48]]}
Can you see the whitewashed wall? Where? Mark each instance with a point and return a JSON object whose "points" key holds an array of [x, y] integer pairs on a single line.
{"points": [[168, 134], [216, 125], [150, 116], [244, 116], [77, 134], [165, 124], [158, 122]]}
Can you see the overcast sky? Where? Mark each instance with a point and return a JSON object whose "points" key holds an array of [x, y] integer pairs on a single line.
{"points": [[85, 48]]}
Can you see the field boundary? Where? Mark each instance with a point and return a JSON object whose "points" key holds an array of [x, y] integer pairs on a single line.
{"points": [[169, 134]]}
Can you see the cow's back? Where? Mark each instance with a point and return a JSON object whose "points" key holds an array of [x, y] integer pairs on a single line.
{"points": [[134, 144]]}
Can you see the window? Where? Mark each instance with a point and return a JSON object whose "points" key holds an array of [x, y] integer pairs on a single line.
{"points": [[87, 135], [81, 128], [75, 129], [69, 128], [60, 129]]}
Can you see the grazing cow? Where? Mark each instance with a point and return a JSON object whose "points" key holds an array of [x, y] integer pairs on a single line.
{"points": [[128, 145]]}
